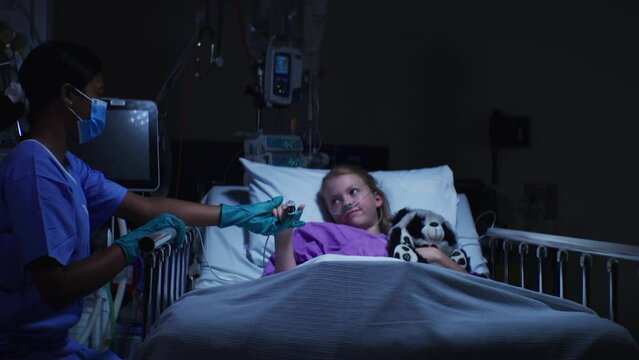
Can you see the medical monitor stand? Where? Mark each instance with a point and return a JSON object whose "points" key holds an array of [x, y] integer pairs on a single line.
{"points": [[127, 151]]}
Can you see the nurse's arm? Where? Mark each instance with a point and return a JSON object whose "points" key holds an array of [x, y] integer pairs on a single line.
{"points": [[60, 285], [139, 210]]}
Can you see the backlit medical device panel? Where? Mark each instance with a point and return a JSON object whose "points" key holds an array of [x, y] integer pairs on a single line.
{"points": [[278, 150], [283, 76]]}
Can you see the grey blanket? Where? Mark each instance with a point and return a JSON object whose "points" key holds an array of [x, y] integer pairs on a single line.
{"points": [[380, 310]]}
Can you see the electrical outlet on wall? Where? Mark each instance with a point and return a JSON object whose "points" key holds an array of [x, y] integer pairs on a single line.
{"points": [[541, 201]]}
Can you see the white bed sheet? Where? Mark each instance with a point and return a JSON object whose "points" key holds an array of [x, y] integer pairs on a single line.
{"points": [[232, 254]]}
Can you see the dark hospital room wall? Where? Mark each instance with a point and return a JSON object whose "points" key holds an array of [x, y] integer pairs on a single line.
{"points": [[432, 72], [425, 76], [422, 78]]}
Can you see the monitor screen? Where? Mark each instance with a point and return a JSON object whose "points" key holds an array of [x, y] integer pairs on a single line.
{"points": [[281, 64], [127, 151]]}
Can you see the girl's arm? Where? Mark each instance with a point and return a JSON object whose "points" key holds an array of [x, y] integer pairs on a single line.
{"points": [[434, 255], [284, 250]]}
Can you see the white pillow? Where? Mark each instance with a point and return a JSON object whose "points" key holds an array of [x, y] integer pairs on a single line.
{"points": [[428, 188], [298, 184]]}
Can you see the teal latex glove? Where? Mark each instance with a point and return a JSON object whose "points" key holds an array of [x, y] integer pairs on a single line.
{"points": [[257, 218], [129, 242], [291, 221]]}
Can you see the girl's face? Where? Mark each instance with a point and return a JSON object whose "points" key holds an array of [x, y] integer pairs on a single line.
{"points": [[351, 202]]}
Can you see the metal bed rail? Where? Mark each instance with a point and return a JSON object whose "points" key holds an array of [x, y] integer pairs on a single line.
{"points": [[505, 240], [166, 276]]}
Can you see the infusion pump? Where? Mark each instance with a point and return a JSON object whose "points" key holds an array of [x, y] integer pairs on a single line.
{"points": [[282, 76]]}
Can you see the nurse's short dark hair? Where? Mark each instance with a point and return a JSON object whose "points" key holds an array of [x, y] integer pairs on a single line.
{"points": [[48, 67]]}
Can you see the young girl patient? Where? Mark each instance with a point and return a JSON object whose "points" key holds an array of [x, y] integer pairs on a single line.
{"points": [[360, 213]]}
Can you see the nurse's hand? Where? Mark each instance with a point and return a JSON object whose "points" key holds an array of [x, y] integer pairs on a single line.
{"points": [[130, 242], [257, 218]]}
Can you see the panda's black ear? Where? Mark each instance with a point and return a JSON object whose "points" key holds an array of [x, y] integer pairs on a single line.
{"points": [[399, 215], [449, 235]]}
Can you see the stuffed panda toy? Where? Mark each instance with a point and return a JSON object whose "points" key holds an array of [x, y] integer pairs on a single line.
{"points": [[413, 228]]}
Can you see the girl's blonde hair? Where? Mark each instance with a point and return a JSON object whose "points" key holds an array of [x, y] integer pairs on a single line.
{"points": [[383, 212]]}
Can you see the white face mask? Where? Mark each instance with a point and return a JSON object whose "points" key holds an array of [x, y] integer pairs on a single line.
{"points": [[91, 128]]}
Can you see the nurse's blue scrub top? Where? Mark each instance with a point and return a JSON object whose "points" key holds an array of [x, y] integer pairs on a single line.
{"points": [[46, 209]]}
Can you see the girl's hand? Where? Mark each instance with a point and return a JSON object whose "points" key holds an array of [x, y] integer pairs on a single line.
{"points": [[435, 256], [432, 254], [281, 213]]}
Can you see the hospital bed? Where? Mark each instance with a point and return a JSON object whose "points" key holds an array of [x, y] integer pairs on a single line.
{"points": [[361, 307]]}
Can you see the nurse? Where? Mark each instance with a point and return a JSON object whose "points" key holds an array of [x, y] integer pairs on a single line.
{"points": [[51, 201]]}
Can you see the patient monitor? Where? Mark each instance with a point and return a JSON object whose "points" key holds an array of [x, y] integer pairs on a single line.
{"points": [[283, 76]]}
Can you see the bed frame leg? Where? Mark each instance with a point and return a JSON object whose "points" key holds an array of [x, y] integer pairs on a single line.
{"points": [[165, 270], [149, 288], [523, 251], [506, 246], [612, 265], [492, 243], [542, 253], [585, 261], [562, 257]]}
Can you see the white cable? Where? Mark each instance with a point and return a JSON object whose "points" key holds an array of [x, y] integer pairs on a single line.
{"points": [[122, 276], [177, 69], [97, 307], [102, 324], [117, 301], [228, 167], [109, 320], [119, 296], [264, 252], [95, 333], [487, 212], [208, 264]]}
